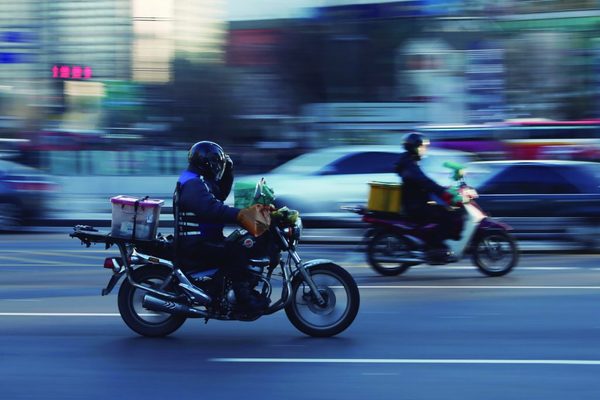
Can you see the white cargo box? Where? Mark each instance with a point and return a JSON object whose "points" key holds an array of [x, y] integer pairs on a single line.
{"points": [[131, 214]]}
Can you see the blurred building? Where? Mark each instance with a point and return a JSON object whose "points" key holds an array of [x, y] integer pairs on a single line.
{"points": [[21, 62], [69, 60]]}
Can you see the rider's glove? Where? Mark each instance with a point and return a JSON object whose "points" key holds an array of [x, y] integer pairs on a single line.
{"points": [[447, 197]]}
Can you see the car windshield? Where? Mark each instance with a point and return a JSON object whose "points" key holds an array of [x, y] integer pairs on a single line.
{"points": [[537, 178], [308, 163], [339, 162], [585, 176], [9, 167]]}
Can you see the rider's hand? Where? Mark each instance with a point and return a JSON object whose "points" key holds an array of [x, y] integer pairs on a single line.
{"points": [[228, 162], [447, 197]]}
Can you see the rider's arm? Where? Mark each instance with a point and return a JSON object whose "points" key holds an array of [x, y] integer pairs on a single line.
{"points": [[197, 198], [415, 173], [226, 181]]}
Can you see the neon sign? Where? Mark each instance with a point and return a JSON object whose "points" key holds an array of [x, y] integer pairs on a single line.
{"points": [[71, 72]]}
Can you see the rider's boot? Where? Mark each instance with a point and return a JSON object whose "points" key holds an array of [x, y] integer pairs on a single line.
{"points": [[198, 295], [249, 300], [438, 253]]}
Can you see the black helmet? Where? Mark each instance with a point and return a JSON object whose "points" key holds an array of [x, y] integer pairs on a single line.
{"points": [[413, 141], [208, 158]]}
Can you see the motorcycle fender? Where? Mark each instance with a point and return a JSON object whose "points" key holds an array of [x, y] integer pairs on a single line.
{"points": [[111, 283], [369, 233], [311, 264], [489, 224]]}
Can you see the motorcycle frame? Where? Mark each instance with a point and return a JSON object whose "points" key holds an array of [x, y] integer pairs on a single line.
{"points": [[132, 259], [477, 222]]}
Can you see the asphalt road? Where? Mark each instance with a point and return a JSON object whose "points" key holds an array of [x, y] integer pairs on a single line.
{"points": [[435, 332]]}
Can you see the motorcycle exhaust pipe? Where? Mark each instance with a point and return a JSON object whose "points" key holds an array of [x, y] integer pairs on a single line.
{"points": [[408, 259], [170, 307]]}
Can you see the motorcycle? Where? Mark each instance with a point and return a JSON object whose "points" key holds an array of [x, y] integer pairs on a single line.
{"points": [[395, 242], [319, 297]]}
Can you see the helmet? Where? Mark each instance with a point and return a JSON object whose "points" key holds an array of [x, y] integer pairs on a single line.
{"points": [[413, 141], [208, 158]]}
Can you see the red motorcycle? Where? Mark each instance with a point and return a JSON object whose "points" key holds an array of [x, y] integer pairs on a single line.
{"points": [[395, 242]]}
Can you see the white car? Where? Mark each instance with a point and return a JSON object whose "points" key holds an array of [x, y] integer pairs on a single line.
{"points": [[318, 183]]}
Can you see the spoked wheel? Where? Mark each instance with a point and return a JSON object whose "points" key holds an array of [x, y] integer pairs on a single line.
{"points": [[495, 254], [385, 249], [138, 318], [342, 299]]}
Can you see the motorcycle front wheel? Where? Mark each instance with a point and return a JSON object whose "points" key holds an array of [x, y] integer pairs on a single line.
{"points": [[383, 252], [495, 253], [140, 320], [342, 300]]}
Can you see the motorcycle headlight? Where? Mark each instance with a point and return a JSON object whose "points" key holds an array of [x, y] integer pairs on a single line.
{"points": [[294, 232], [298, 229]]}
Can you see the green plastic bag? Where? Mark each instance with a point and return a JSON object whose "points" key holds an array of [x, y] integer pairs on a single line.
{"points": [[246, 194], [243, 194]]}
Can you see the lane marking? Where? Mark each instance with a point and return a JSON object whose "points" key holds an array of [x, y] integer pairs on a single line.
{"points": [[72, 314], [474, 287], [60, 254], [404, 361], [379, 373], [13, 266], [472, 267], [54, 314], [31, 260]]}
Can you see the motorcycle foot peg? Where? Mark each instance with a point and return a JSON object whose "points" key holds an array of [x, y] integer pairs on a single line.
{"points": [[197, 294]]}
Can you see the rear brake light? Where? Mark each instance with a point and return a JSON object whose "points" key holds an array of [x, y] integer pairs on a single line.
{"points": [[114, 263], [28, 186]]}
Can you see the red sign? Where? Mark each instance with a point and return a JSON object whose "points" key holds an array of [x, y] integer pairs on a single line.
{"points": [[71, 72]]}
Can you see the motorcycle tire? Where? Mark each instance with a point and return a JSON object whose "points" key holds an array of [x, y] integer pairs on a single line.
{"points": [[337, 287], [494, 247], [142, 321], [388, 246]]}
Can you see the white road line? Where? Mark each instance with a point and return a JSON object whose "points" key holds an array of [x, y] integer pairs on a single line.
{"points": [[475, 287], [53, 314], [59, 254], [31, 260], [404, 361], [19, 265], [472, 267], [41, 314]]}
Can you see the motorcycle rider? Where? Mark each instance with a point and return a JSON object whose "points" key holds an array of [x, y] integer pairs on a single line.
{"points": [[203, 187], [418, 191]]}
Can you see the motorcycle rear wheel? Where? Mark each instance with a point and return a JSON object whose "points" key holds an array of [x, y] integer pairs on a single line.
{"points": [[140, 320], [495, 253], [342, 300], [383, 251]]}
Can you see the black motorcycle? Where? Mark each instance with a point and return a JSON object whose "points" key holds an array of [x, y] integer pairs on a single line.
{"points": [[320, 298]]}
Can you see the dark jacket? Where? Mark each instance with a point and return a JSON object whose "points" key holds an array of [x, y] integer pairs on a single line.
{"points": [[417, 188], [203, 199]]}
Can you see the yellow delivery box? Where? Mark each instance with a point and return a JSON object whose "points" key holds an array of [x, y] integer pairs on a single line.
{"points": [[385, 196]]}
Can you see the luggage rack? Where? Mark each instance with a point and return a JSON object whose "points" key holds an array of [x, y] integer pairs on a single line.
{"points": [[90, 235], [361, 210]]}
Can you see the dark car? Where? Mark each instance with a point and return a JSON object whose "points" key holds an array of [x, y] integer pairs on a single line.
{"points": [[552, 196], [24, 194]]}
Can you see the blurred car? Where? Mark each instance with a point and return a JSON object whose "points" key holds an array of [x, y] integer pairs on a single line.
{"points": [[24, 194], [318, 183], [561, 196]]}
